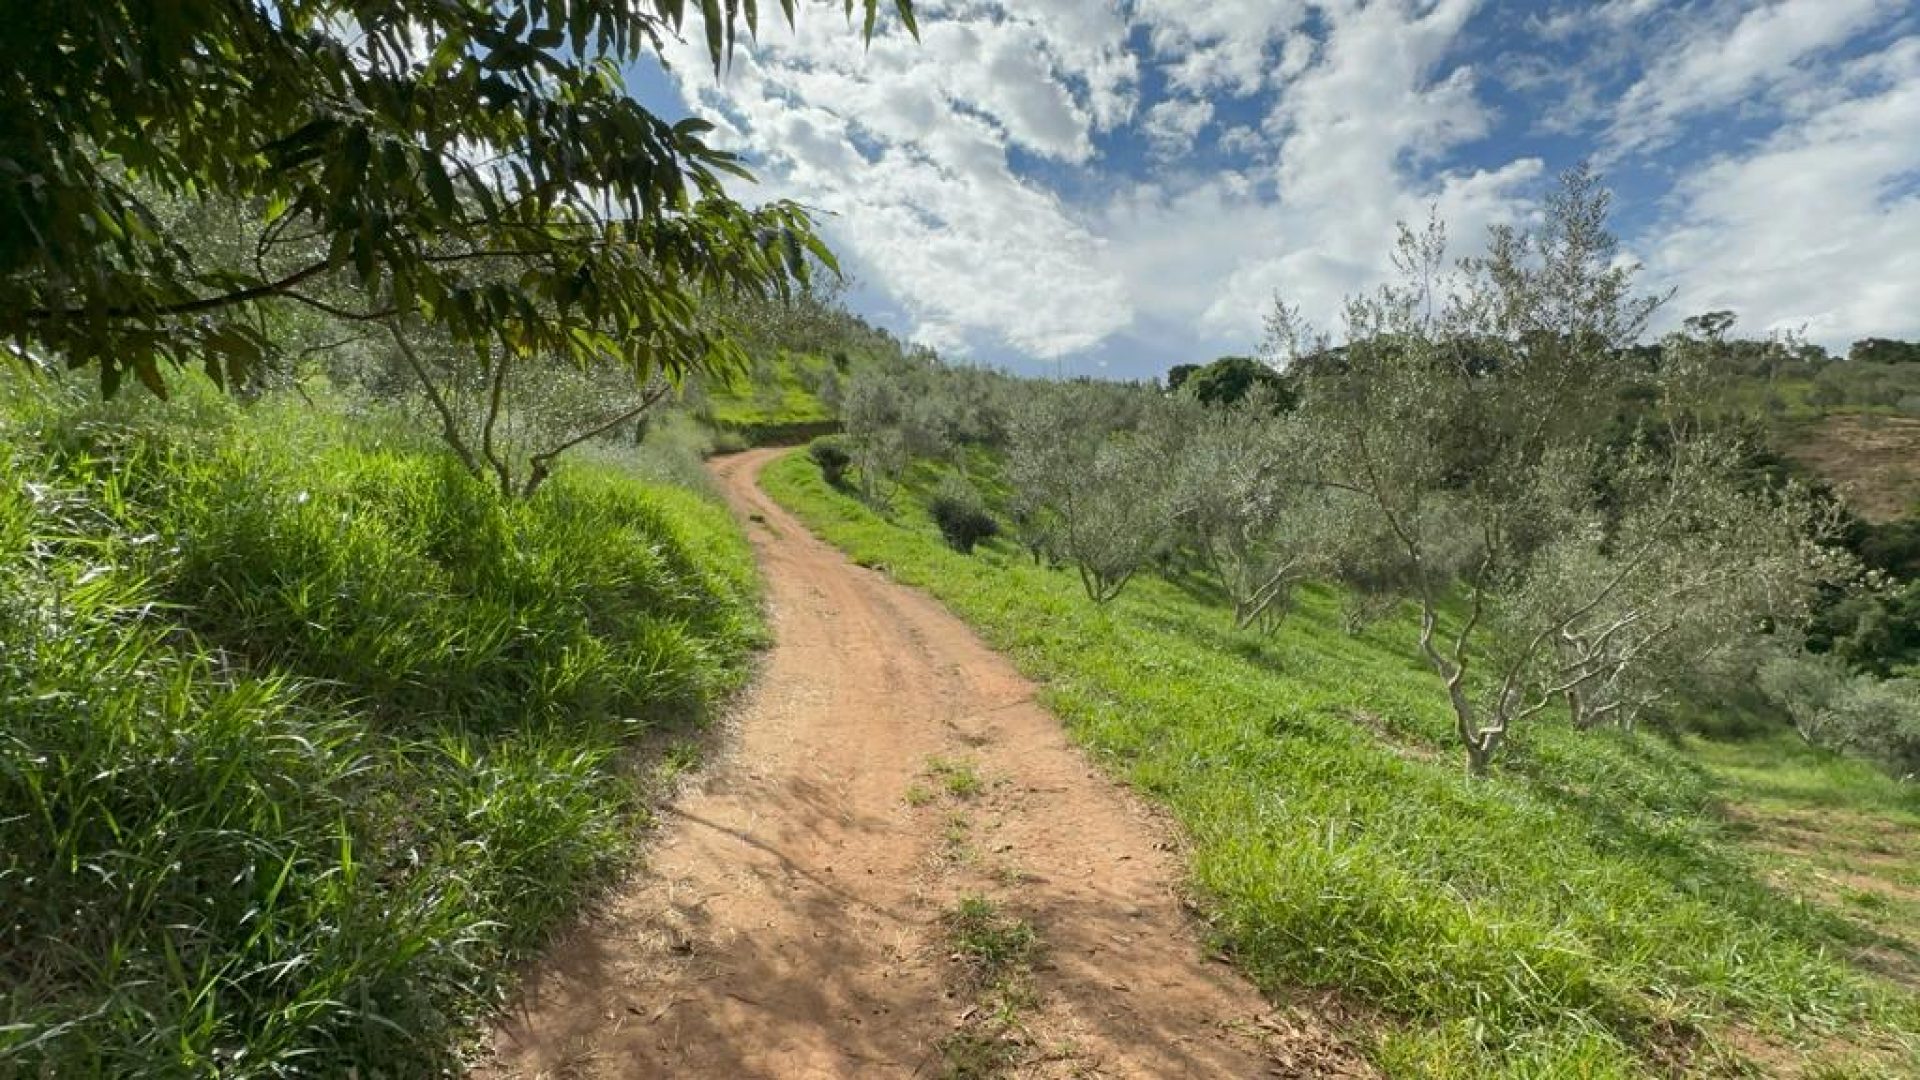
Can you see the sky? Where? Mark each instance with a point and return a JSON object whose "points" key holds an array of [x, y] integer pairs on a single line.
{"points": [[1110, 188]]}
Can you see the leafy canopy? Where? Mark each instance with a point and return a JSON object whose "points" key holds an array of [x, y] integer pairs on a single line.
{"points": [[472, 162]]}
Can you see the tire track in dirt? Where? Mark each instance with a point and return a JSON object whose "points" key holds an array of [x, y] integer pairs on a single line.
{"points": [[788, 922]]}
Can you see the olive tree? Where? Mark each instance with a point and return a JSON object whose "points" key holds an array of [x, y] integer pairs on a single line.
{"points": [[1838, 709], [1100, 492], [1463, 413], [1241, 490], [1628, 600], [873, 415]]}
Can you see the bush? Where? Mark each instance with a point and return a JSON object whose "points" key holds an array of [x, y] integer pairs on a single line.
{"points": [[1879, 719], [831, 454], [962, 515]]}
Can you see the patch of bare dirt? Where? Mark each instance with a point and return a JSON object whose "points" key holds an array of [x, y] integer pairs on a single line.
{"points": [[1854, 864], [789, 922], [1873, 460]]}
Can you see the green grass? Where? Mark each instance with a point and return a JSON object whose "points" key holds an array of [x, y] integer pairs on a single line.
{"points": [[1832, 828], [997, 952], [308, 736], [992, 943], [957, 775], [780, 394], [1588, 911]]}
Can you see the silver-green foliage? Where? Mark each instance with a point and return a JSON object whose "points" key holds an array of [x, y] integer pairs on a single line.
{"points": [[1242, 491], [1466, 413], [1100, 493], [1837, 709], [872, 415]]}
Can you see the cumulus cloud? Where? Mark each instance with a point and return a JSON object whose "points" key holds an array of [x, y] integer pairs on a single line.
{"points": [[1174, 124], [1818, 227], [1079, 177], [907, 149], [1223, 46]]}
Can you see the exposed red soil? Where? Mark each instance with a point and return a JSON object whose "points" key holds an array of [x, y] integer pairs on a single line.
{"points": [[1873, 460], [789, 921]]}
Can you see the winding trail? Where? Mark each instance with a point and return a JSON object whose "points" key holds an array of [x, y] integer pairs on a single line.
{"points": [[788, 922]]}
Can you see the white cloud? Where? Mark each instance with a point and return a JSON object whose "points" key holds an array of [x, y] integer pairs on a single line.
{"points": [[906, 148], [1727, 61], [968, 177], [909, 146], [1315, 219], [1819, 226], [1582, 16], [1224, 45], [1175, 123]]}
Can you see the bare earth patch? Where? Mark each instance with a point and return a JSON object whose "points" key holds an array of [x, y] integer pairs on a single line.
{"points": [[793, 918], [1873, 460], [1858, 865]]}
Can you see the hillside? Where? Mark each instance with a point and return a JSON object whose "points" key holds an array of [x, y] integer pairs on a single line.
{"points": [[1872, 460], [1606, 906], [783, 397], [483, 596], [309, 736]]}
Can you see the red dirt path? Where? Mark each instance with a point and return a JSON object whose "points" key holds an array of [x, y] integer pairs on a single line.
{"points": [[789, 920]]}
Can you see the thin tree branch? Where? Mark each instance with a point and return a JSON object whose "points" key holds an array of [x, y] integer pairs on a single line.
{"points": [[495, 393], [450, 428], [541, 464], [192, 307]]}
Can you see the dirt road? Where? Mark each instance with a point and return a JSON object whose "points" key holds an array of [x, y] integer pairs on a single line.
{"points": [[791, 919]]}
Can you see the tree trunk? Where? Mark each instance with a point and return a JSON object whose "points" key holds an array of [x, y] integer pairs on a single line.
{"points": [[1479, 757], [1480, 744], [1577, 709]]}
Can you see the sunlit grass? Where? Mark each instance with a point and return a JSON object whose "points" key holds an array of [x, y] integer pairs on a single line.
{"points": [[784, 397], [1587, 912], [307, 735]]}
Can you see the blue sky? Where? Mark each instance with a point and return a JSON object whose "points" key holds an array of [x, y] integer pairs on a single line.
{"points": [[1113, 188]]}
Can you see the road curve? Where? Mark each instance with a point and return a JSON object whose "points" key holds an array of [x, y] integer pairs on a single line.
{"points": [[788, 921]]}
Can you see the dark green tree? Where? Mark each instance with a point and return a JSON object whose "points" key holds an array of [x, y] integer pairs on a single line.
{"points": [[1884, 351], [474, 166], [1228, 380]]}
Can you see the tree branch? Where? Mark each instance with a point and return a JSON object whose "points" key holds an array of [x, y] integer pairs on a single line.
{"points": [[541, 464], [193, 307], [495, 392], [449, 427]]}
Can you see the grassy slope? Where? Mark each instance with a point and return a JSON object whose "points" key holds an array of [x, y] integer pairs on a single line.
{"points": [[1834, 829], [1586, 913], [307, 736], [786, 399]]}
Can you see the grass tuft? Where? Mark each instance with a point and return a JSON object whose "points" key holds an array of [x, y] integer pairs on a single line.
{"points": [[998, 951], [959, 777]]}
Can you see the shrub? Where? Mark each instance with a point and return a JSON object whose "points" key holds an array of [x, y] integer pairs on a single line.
{"points": [[962, 516], [831, 454], [1878, 719]]}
